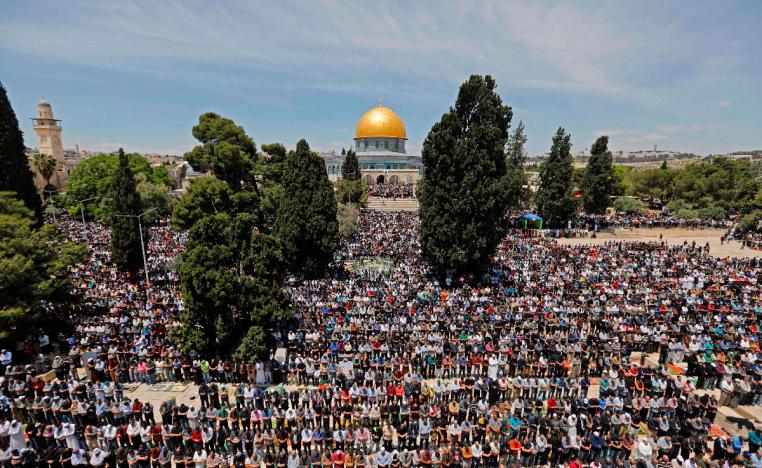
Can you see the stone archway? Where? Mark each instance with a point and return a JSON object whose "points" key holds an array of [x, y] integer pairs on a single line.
{"points": [[380, 179], [394, 179], [368, 180]]}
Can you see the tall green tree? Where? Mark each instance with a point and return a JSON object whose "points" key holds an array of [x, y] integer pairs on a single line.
{"points": [[225, 150], [599, 181], [554, 198], [271, 184], [126, 249], [45, 165], [306, 218], [516, 157], [233, 267], [350, 169], [15, 174], [465, 192], [35, 290], [232, 278]]}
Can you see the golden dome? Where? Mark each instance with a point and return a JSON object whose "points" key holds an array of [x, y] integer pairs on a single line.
{"points": [[380, 122]]}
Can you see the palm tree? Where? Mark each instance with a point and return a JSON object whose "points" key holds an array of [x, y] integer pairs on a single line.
{"points": [[45, 165]]}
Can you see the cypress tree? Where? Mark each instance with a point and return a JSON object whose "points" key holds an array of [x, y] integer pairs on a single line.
{"points": [[15, 174], [516, 157], [350, 169], [555, 200], [306, 218], [599, 179], [126, 250], [465, 191]]}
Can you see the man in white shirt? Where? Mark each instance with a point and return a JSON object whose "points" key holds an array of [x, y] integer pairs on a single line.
{"points": [[199, 458], [6, 358]]}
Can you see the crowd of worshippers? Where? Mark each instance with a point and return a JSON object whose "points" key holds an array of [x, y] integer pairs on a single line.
{"points": [[543, 364], [391, 190], [664, 220], [749, 238]]}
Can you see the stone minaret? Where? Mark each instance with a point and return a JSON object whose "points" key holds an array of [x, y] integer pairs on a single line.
{"points": [[48, 130]]}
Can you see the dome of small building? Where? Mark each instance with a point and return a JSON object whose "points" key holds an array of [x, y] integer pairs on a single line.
{"points": [[380, 122]]}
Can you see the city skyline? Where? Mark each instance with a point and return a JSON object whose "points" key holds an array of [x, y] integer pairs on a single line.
{"points": [[138, 75]]}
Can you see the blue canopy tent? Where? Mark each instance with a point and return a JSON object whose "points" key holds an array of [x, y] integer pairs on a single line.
{"points": [[531, 221]]}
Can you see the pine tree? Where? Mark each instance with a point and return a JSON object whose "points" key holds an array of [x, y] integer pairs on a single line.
{"points": [[465, 192], [126, 250], [306, 219], [599, 179], [15, 174], [350, 169], [225, 150], [555, 200]]}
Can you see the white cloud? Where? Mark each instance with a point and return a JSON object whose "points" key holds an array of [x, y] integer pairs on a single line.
{"points": [[328, 45]]}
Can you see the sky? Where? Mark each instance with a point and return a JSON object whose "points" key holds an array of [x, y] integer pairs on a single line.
{"points": [[684, 75]]}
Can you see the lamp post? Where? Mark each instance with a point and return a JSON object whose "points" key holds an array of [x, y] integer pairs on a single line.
{"points": [[142, 245], [50, 200], [82, 207]]}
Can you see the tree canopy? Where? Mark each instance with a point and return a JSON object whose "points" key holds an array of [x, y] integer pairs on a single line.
{"points": [[94, 177], [629, 205], [350, 169], [555, 199], [225, 150], [599, 181], [34, 285], [231, 276], [15, 174], [306, 218], [466, 189], [720, 182]]}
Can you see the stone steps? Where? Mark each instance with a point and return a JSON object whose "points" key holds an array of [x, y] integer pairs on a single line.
{"points": [[390, 204]]}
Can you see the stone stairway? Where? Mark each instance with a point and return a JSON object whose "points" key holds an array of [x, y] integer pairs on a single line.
{"points": [[389, 204]]}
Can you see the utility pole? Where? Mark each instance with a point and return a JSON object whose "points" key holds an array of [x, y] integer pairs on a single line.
{"points": [[142, 247]]}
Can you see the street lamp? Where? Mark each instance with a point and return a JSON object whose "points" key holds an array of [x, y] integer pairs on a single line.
{"points": [[142, 245], [82, 208], [50, 200]]}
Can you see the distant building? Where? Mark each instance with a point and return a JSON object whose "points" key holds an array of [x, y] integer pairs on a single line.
{"points": [[48, 130], [380, 138], [740, 157]]}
